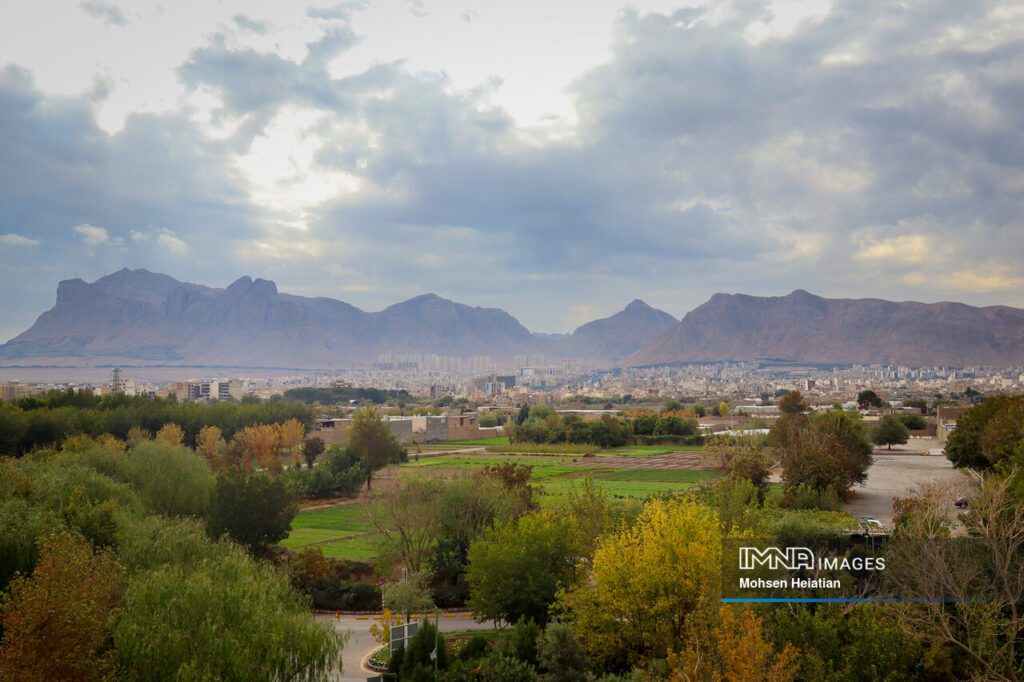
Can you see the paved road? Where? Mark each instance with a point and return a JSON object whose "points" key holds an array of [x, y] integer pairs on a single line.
{"points": [[896, 472], [360, 643]]}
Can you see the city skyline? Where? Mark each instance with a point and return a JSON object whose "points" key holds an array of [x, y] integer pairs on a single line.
{"points": [[552, 162]]}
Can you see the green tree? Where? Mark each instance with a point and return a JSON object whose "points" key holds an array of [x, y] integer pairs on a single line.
{"points": [[171, 479], [988, 433], [56, 622], [912, 420], [407, 520], [252, 508], [867, 399], [468, 506], [418, 659], [516, 568], [408, 595], [311, 449], [372, 440], [225, 618], [890, 429], [561, 656]]}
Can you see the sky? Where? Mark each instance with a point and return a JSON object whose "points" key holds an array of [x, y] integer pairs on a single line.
{"points": [[554, 159]]}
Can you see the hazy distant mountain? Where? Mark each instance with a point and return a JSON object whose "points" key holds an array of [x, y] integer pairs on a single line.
{"points": [[136, 317], [141, 317], [613, 339], [809, 328]]}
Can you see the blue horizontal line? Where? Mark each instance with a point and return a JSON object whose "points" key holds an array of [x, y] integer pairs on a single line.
{"points": [[840, 600]]}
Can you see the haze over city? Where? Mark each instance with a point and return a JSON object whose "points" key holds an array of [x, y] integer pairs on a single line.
{"points": [[556, 162]]}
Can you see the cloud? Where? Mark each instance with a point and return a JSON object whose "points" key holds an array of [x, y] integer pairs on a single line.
{"points": [[172, 244], [340, 11], [911, 248], [12, 239], [739, 147], [107, 13], [96, 236], [248, 24]]}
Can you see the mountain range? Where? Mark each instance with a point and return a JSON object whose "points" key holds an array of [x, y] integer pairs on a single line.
{"points": [[136, 317]]}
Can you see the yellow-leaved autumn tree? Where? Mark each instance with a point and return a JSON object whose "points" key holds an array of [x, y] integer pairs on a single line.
{"points": [[171, 433], [291, 433], [210, 444], [739, 653], [652, 585]]}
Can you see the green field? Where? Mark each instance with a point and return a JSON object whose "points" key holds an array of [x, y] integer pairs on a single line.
{"points": [[361, 547], [346, 532], [679, 476], [350, 518]]}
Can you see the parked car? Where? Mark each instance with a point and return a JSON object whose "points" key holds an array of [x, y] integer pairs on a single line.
{"points": [[961, 502]]}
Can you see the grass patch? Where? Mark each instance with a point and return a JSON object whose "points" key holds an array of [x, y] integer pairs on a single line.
{"points": [[479, 441], [544, 448], [362, 547], [651, 450], [300, 537], [673, 475], [350, 517], [559, 487]]}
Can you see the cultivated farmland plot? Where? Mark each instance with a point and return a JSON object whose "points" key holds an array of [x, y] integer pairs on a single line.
{"points": [[634, 472]]}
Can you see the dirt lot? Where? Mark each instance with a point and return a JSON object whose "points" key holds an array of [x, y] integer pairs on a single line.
{"points": [[896, 472]]}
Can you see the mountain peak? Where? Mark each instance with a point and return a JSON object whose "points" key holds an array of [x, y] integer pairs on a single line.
{"points": [[637, 305]]}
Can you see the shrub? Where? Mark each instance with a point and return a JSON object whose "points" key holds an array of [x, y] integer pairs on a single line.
{"points": [[803, 496], [521, 643], [477, 647], [561, 656], [499, 668]]}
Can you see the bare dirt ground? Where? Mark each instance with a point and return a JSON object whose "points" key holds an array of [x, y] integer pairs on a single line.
{"points": [[895, 473]]}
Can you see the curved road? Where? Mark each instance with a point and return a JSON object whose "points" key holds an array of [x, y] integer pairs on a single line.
{"points": [[361, 643]]}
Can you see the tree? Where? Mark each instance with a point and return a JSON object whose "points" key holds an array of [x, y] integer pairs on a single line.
{"points": [[407, 520], [210, 444], [311, 449], [516, 568], [988, 433], [372, 440], [561, 655], [171, 479], [252, 508], [867, 399], [408, 595], [740, 459], [971, 587], [912, 420], [792, 403], [291, 434], [672, 406], [224, 618], [651, 583], [56, 622], [468, 506], [171, 434], [740, 653], [890, 429], [824, 452], [308, 567], [136, 435]]}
